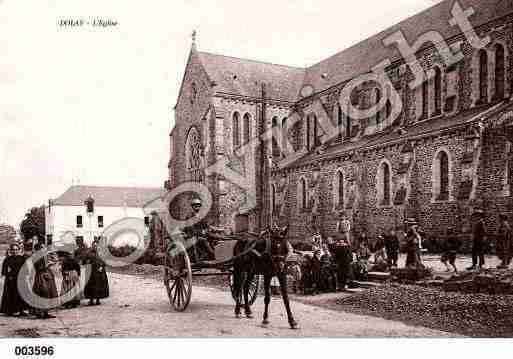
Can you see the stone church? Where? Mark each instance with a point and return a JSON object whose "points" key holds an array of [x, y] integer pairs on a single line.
{"points": [[435, 151]]}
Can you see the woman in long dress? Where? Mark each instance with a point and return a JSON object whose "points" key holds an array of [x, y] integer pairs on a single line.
{"points": [[70, 279], [97, 286], [44, 283], [12, 301]]}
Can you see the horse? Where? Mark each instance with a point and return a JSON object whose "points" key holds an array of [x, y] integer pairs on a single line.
{"points": [[263, 256]]}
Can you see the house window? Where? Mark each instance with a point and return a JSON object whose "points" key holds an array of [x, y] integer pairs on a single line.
{"points": [[499, 72], [235, 129], [340, 194], [425, 99], [246, 128], [146, 221], [303, 194], [438, 91], [443, 176], [388, 105], [100, 221], [79, 222], [483, 76]]}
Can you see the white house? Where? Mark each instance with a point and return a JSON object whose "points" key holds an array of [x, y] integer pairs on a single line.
{"points": [[67, 215]]}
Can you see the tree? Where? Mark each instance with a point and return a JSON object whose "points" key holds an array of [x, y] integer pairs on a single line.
{"points": [[34, 223]]}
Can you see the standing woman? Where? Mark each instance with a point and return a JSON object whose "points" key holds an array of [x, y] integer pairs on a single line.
{"points": [[70, 279], [44, 282], [413, 241], [97, 286], [12, 301]]}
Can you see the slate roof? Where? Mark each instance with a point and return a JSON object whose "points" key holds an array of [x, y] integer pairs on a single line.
{"points": [[285, 82], [391, 135], [361, 57], [244, 77], [108, 196]]}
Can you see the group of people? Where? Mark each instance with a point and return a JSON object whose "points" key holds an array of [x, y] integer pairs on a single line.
{"points": [[353, 256], [34, 291]]}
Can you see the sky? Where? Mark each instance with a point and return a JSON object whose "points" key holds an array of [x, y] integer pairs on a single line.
{"points": [[96, 104]]}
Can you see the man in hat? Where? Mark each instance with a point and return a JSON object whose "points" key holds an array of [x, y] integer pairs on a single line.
{"points": [[478, 239], [200, 230], [504, 242]]}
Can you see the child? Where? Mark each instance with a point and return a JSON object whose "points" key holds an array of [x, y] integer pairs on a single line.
{"points": [[452, 247]]}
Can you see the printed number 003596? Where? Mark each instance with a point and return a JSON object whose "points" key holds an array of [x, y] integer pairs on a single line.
{"points": [[33, 350]]}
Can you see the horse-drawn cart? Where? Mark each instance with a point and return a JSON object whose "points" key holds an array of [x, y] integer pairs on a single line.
{"points": [[180, 266]]}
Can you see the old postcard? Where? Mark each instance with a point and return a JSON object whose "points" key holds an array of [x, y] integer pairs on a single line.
{"points": [[255, 169]]}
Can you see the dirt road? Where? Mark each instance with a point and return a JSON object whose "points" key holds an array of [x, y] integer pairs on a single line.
{"points": [[139, 308]]}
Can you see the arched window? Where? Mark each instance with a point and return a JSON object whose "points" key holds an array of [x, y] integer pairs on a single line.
{"points": [[349, 123], [483, 76], [307, 133], [194, 92], [274, 141], [425, 99], [443, 180], [340, 179], [388, 105], [284, 137], [273, 199], [246, 128], [378, 99], [438, 91], [499, 72], [235, 129], [193, 155], [317, 141], [340, 121], [384, 184], [303, 194]]}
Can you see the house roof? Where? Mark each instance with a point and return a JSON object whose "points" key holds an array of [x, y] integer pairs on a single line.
{"points": [[108, 196], [244, 77], [391, 135], [362, 57]]}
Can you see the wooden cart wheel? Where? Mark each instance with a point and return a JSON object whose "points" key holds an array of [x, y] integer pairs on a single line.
{"points": [[253, 289], [178, 280]]}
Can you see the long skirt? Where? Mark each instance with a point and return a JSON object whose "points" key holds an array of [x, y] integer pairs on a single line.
{"points": [[12, 302], [98, 286], [70, 279], [44, 285]]}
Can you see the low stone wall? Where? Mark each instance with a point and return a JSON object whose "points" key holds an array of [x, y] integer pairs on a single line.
{"points": [[491, 281]]}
